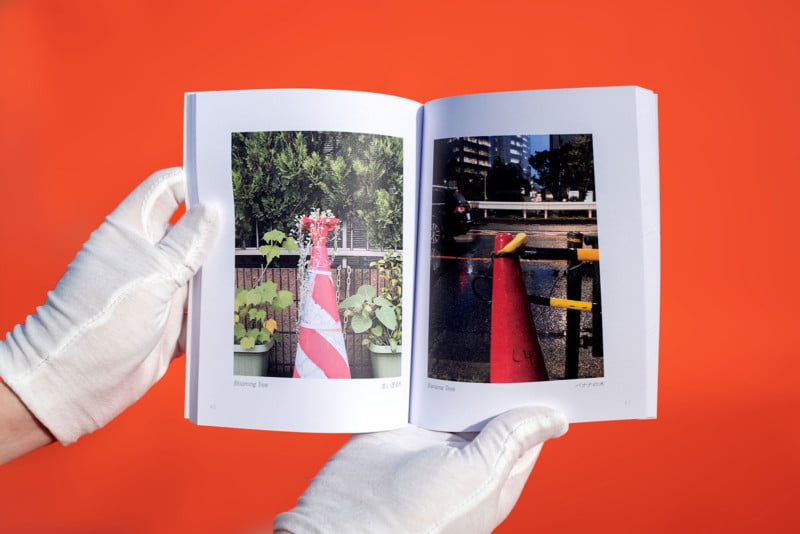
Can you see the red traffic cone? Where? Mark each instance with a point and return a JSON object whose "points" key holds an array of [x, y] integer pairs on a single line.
{"points": [[321, 352], [514, 351]]}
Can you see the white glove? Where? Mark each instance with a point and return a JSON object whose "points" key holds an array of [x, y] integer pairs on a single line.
{"points": [[415, 480], [111, 326]]}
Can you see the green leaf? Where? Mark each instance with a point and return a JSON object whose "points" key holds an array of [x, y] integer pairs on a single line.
{"points": [[275, 236], [240, 298], [360, 324], [290, 244], [267, 291], [367, 291], [252, 298], [270, 252], [283, 300], [387, 317], [247, 343], [239, 331], [264, 336], [352, 301], [382, 301]]}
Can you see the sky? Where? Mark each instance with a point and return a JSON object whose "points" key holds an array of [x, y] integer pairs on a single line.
{"points": [[538, 143]]}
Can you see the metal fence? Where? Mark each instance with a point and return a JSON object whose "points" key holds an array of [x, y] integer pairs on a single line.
{"points": [[534, 207]]}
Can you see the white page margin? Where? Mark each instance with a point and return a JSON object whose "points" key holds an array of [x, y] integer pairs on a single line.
{"points": [[626, 179], [283, 403]]}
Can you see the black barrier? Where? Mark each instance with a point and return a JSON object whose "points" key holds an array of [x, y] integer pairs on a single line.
{"points": [[553, 302], [574, 254], [574, 283], [579, 261]]}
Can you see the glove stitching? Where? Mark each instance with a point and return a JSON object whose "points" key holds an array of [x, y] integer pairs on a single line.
{"points": [[116, 298], [481, 490], [155, 192]]}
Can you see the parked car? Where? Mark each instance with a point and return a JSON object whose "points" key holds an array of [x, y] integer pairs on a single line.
{"points": [[450, 215]]}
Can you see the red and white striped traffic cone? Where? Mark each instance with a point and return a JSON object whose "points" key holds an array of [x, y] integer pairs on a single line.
{"points": [[321, 352]]}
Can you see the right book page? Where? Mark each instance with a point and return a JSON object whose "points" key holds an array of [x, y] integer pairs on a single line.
{"points": [[538, 257]]}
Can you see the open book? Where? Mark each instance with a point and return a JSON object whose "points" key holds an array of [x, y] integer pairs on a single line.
{"points": [[381, 261]]}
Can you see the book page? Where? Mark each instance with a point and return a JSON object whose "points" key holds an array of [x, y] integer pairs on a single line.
{"points": [[313, 268], [538, 257]]}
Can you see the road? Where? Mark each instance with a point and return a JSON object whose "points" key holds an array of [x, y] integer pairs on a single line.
{"points": [[460, 304]]}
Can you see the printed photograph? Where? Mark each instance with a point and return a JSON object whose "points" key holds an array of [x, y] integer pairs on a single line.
{"points": [[319, 239], [515, 260]]}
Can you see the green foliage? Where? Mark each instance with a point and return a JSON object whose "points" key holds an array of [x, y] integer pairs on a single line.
{"points": [[250, 305], [278, 175], [379, 315], [381, 193], [568, 167], [505, 182], [275, 241]]}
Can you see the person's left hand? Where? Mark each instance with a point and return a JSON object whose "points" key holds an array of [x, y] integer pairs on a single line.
{"points": [[109, 329]]}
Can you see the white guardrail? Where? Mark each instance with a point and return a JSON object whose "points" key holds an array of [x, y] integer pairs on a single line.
{"points": [[525, 207]]}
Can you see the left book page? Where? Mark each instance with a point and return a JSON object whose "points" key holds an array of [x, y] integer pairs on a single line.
{"points": [[314, 265]]}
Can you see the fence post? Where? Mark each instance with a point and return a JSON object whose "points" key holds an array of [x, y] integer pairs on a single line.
{"points": [[574, 283], [597, 311]]}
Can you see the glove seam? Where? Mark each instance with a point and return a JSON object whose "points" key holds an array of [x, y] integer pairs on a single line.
{"points": [[116, 298]]}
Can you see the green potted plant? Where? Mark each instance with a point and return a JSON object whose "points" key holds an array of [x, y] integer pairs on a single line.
{"points": [[379, 316], [254, 331]]}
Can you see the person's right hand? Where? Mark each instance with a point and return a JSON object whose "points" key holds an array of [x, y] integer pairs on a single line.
{"points": [[112, 324], [415, 480]]}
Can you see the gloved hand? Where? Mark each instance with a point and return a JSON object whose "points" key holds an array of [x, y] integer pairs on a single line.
{"points": [[415, 480], [109, 329]]}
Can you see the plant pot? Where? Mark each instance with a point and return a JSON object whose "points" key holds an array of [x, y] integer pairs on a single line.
{"points": [[251, 362], [385, 361]]}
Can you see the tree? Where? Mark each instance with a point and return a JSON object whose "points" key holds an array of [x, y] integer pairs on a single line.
{"points": [[505, 182], [568, 167], [273, 178], [280, 175], [380, 196]]}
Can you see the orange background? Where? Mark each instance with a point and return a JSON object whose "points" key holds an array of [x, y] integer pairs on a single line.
{"points": [[91, 103]]}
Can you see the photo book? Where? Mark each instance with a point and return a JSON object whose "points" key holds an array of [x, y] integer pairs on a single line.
{"points": [[383, 261]]}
